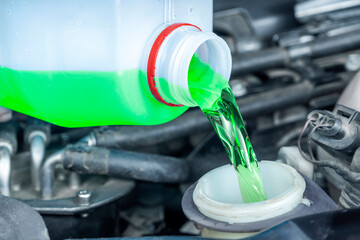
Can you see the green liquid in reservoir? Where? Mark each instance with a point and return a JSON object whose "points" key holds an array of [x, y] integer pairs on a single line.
{"points": [[218, 104]]}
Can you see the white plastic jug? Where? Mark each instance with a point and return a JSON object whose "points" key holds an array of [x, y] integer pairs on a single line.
{"points": [[108, 28], [84, 62]]}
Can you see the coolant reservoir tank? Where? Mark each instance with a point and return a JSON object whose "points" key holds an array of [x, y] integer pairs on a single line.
{"points": [[214, 204], [94, 62]]}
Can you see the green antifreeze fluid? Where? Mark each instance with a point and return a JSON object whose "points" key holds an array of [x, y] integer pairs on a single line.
{"points": [[213, 95], [84, 98]]}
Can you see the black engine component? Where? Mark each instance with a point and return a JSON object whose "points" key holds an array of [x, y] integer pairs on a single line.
{"points": [[342, 137], [20, 221], [132, 165]]}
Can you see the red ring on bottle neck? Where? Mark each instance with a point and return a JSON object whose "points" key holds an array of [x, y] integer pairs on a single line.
{"points": [[152, 60]]}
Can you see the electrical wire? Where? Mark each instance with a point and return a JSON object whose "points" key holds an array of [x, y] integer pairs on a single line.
{"points": [[323, 124], [339, 168], [303, 154]]}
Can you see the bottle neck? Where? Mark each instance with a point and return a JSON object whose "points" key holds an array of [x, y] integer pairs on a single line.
{"points": [[168, 70]]}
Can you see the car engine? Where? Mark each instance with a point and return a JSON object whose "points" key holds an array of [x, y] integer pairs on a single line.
{"points": [[296, 82]]}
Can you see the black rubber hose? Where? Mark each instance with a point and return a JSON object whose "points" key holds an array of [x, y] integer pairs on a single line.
{"points": [[70, 135], [130, 137], [256, 61], [282, 57], [132, 165], [335, 44], [279, 98]]}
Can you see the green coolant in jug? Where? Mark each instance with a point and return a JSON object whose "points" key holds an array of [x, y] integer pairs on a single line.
{"points": [[84, 98], [212, 93]]}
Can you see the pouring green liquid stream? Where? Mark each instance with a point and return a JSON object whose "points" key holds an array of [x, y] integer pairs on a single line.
{"points": [[57, 96], [219, 106]]}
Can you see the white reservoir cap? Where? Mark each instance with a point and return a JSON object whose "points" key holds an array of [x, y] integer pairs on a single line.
{"points": [[217, 194]]}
